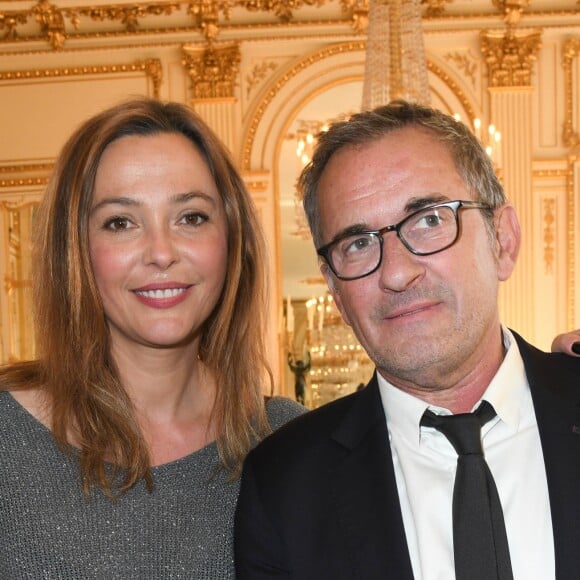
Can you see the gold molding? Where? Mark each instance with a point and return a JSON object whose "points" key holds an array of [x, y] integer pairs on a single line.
{"points": [[258, 74], [25, 167], [571, 206], [24, 175], [16, 218], [196, 20], [465, 62], [212, 69], [455, 89], [151, 67], [54, 22], [309, 60], [358, 13], [435, 8], [548, 214], [24, 182], [302, 64], [570, 52], [509, 56], [17, 205], [512, 10]]}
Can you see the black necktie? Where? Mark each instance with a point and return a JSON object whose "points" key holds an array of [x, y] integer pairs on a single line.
{"points": [[479, 538]]}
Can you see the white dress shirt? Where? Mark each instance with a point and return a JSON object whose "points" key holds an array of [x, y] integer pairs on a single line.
{"points": [[425, 464]]}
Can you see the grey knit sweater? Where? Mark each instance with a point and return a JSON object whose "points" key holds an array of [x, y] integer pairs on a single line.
{"points": [[48, 529]]}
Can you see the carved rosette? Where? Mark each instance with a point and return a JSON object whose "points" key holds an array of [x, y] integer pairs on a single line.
{"points": [[213, 70], [510, 56]]}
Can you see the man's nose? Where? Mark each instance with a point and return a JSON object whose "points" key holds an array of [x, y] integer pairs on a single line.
{"points": [[399, 268]]}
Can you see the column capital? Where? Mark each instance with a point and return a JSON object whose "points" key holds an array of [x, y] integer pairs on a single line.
{"points": [[509, 56], [213, 70]]}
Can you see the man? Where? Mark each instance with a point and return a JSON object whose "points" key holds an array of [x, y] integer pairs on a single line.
{"points": [[415, 234]]}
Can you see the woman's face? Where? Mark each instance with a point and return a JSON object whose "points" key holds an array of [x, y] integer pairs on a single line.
{"points": [[157, 239]]}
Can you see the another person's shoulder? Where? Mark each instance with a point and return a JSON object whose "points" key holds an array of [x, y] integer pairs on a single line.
{"points": [[281, 410], [549, 365]]}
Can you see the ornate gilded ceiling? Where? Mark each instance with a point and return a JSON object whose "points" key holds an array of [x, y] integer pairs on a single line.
{"points": [[56, 23]]}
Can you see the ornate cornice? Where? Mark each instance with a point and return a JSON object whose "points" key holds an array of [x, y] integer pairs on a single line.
{"points": [[358, 13], [55, 24], [213, 70], [510, 55], [512, 10]]}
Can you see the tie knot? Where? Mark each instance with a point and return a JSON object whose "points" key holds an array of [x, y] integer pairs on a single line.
{"points": [[462, 430]]}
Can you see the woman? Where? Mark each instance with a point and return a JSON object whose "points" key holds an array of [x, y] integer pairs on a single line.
{"points": [[121, 445]]}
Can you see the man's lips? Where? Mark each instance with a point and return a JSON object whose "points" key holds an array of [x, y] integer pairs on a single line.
{"points": [[410, 310]]}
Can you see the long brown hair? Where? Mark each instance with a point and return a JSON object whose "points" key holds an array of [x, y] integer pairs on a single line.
{"points": [[75, 367]]}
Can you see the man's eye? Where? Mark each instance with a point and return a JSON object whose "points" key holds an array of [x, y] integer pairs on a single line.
{"points": [[356, 245], [430, 220]]}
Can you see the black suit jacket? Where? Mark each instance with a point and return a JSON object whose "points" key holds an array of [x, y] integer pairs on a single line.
{"points": [[319, 499]]}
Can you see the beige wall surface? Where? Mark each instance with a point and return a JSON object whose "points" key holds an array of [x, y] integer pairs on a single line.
{"points": [[254, 76]]}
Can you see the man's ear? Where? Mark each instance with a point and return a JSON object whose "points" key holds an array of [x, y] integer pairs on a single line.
{"points": [[508, 239], [331, 282]]}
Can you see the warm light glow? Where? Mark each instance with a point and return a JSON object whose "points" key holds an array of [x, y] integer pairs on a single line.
{"points": [[338, 362], [491, 140]]}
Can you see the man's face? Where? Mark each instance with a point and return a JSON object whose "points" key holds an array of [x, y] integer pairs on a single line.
{"points": [[424, 320]]}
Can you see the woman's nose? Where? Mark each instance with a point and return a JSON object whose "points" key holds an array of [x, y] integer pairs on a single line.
{"points": [[161, 248]]}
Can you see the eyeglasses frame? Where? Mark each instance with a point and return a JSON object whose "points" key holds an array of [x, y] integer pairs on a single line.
{"points": [[455, 206]]}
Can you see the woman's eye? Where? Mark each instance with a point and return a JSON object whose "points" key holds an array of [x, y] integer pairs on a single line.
{"points": [[117, 224], [194, 219]]}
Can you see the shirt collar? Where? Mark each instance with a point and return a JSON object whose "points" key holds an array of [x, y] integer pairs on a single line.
{"points": [[508, 392]]}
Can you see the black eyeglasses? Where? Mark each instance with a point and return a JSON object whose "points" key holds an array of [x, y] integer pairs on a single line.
{"points": [[424, 232]]}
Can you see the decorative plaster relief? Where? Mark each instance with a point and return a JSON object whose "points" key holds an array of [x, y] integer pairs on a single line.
{"points": [[571, 93]]}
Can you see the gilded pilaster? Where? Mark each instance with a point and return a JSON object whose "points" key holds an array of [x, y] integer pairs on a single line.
{"points": [[213, 71], [509, 56], [260, 186]]}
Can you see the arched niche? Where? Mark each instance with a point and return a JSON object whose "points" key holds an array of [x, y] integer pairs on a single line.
{"points": [[321, 85]]}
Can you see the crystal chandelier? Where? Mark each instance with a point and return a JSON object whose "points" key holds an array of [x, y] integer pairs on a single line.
{"points": [[328, 353], [395, 64], [323, 349]]}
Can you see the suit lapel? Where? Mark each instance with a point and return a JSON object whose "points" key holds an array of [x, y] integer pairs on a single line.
{"points": [[555, 387], [365, 492]]}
